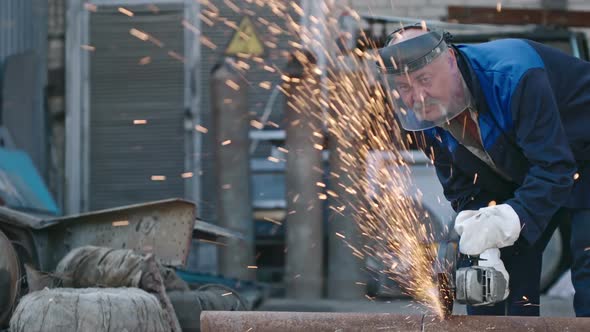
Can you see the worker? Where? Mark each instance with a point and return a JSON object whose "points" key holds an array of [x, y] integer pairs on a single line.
{"points": [[507, 125]]}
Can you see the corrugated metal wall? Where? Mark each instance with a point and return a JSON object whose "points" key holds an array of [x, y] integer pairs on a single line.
{"points": [[123, 157], [23, 28], [132, 79], [220, 35]]}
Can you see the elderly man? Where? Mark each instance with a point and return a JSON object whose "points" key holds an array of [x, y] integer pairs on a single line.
{"points": [[506, 125]]}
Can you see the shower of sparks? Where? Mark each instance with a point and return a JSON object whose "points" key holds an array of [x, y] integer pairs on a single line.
{"points": [[272, 221], [201, 129], [187, 175], [257, 124], [125, 11], [356, 116], [145, 60], [139, 34], [120, 223], [88, 48], [232, 85], [176, 56], [265, 85]]}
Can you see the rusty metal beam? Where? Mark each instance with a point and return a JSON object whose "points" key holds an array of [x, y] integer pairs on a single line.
{"points": [[163, 228], [491, 15], [221, 321]]}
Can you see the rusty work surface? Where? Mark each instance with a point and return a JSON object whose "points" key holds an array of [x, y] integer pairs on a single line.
{"points": [[221, 321]]}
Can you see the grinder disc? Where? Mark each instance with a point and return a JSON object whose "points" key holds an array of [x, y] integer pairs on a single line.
{"points": [[9, 278], [445, 275]]}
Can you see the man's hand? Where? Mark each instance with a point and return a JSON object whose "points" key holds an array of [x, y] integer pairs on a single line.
{"points": [[490, 227]]}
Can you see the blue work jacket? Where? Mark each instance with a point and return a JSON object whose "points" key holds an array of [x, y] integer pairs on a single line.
{"points": [[533, 105]]}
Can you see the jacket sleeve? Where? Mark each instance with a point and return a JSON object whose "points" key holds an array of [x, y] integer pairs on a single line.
{"points": [[460, 189], [541, 137]]}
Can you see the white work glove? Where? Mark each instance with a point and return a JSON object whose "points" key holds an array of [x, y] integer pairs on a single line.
{"points": [[491, 258], [490, 227]]}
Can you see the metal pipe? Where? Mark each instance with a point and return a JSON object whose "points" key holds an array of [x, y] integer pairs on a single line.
{"points": [[221, 321], [229, 97], [304, 268]]}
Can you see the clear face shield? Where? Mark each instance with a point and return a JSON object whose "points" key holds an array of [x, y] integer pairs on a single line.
{"points": [[423, 86]]}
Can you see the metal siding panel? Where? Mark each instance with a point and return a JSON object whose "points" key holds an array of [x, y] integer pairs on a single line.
{"points": [[18, 29], [124, 156], [23, 29]]}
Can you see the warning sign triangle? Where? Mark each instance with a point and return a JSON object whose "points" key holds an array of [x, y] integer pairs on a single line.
{"points": [[245, 40]]}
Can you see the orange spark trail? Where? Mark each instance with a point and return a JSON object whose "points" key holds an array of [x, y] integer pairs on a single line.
{"points": [[356, 115]]}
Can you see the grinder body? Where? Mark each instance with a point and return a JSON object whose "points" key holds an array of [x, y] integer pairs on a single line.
{"points": [[479, 286]]}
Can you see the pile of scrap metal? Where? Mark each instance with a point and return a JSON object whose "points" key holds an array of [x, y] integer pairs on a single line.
{"points": [[120, 257]]}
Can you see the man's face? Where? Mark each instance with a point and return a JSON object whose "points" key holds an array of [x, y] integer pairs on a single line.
{"points": [[429, 91]]}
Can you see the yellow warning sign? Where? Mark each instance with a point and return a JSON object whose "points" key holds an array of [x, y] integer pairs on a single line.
{"points": [[245, 40]]}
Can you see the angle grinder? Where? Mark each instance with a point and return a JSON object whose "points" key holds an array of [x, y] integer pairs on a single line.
{"points": [[474, 285]]}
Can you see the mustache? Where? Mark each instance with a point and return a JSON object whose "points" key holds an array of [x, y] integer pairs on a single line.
{"points": [[419, 105]]}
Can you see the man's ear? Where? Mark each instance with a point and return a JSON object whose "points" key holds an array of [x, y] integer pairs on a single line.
{"points": [[452, 52], [452, 57]]}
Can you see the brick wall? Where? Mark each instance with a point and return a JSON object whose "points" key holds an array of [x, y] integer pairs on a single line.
{"points": [[579, 5], [435, 9]]}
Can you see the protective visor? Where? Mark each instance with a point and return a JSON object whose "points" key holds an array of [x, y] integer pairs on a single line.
{"points": [[410, 71]]}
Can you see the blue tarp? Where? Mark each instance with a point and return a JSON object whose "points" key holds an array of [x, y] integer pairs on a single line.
{"points": [[21, 186]]}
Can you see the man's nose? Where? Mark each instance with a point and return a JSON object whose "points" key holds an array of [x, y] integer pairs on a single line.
{"points": [[418, 94]]}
